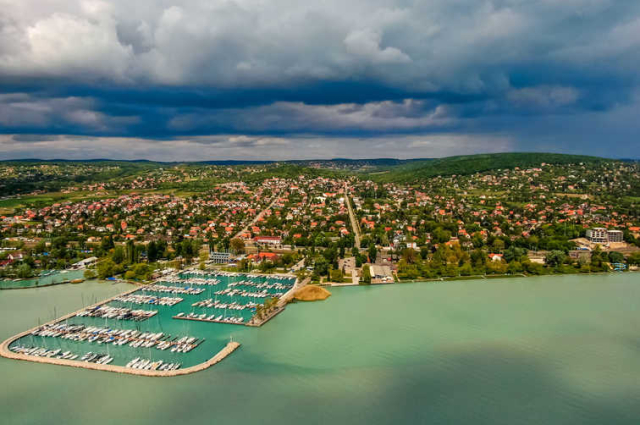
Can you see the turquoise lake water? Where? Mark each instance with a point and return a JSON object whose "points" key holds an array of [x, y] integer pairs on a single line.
{"points": [[215, 335], [548, 350], [48, 279]]}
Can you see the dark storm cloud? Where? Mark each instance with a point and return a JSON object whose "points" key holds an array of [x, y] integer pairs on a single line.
{"points": [[249, 74], [34, 138]]}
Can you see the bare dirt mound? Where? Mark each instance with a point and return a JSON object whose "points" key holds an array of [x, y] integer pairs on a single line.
{"points": [[312, 293]]}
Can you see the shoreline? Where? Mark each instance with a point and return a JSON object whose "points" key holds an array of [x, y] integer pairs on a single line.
{"points": [[46, 285], [222, 354], [490, 277]]}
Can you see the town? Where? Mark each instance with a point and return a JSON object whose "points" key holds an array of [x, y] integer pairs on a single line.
{"points": [[337, 225]]}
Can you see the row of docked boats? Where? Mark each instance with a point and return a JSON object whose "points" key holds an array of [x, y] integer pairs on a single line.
{"points": [[145, 364], [117, 313], [186, 290], [261, 285], [262, 276], [211, 318], [199, 281], [134, 338], [97, 358], [57, 353], [148, 299], [208, 274], [44, 352], [233, 292], [210, 303]]}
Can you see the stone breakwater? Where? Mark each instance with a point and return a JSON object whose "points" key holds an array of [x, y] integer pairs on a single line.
{"points": [[6, 352], [280, 306], [288, 296], [228, 349]]}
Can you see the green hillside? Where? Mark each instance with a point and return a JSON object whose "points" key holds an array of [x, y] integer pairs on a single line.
{"points": [[470, 164]]}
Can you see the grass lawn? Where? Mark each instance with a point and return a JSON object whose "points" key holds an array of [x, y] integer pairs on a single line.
{"points": [[8, 206]]}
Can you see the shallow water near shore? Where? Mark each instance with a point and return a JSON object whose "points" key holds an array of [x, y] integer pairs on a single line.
{"points": [[552, 350]]}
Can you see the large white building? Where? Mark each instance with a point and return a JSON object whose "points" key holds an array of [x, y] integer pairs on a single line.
{"points": [[219, 257], [602, 235], [615, 235]]}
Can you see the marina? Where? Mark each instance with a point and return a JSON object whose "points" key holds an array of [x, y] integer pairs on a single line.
{"points": [[148, 299], [117, 313], [173, 290], [147, 331], [133, 338]]}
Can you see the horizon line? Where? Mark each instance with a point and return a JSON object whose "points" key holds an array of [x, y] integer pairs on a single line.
{"points": [[267, 161]]}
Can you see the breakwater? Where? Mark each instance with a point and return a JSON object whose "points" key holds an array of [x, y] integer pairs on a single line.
{"points": [[221, 355]]}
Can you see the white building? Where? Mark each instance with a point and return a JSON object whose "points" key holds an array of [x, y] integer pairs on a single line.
{"points": [[219, 257], [87, 262], [602, 235], [597, 235], [615, 236]]}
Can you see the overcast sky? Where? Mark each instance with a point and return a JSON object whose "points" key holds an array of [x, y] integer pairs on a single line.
{"points": [[289, 79]]}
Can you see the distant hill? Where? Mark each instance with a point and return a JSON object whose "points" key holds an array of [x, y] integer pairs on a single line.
{"points": [[364, 162], [390, 169], [470, 164]]}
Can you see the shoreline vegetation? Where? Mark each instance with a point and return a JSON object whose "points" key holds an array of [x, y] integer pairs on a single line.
{"points": [[36, 285], [499, 276], [51, 278]]}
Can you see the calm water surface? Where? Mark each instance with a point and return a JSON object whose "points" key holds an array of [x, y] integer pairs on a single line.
{"points": [[560, 350]]}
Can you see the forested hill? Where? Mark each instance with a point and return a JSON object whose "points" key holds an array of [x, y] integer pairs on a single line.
{"points": [[470, 164]]}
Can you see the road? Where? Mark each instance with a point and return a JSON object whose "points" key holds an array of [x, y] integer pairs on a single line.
{"points": [[352, 217], [255, 220], [354, 277], [299, 266]]}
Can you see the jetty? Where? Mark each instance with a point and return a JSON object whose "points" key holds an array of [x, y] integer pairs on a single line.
{"points": [[280, 305], [221, 355]]}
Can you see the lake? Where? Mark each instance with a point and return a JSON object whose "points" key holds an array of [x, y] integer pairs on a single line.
{"points": [[546, 350], [52, 278]]}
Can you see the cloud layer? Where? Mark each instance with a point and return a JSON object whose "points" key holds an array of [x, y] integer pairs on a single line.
{"points": [[548, 75]]}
